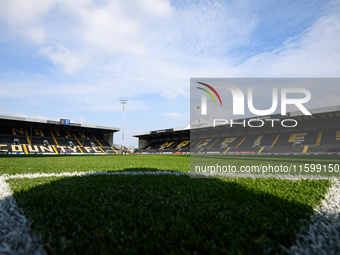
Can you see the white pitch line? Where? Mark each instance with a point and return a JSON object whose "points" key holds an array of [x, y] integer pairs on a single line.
{"points": [[322, 235], [16, 237], [176, 173], [71, 174]]}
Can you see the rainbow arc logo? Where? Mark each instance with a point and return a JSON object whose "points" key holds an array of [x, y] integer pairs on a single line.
{"points": [[204, 98]]}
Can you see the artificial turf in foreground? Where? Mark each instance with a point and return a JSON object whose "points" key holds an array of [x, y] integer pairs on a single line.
{"points": [[166, 214]]}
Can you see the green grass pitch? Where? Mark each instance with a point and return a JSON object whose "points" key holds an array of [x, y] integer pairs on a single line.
{"points": [[159, 214]]}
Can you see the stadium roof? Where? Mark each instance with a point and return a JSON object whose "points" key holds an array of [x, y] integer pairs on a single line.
{"points": [[162, 131], [62, 123]]}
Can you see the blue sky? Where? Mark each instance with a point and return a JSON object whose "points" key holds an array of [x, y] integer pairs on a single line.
{"points": [[76, 59]]}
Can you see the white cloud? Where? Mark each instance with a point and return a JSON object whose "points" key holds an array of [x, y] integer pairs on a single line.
{"points": [[36, 34], [88, 53], [144, 46], [84, 27], [112, 49], [155, 7], [80, 119], [25, 18], [314, 53], [22, 13], [71, 62], [172, 114]]}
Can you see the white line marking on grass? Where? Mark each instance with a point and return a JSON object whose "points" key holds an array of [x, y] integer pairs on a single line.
{"points": [[71, 174], [176, 173], [322, 235], [16, 237]]}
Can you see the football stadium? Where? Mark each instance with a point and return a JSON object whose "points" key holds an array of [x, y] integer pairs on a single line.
{"points": [[67, 189], [169, 127]]}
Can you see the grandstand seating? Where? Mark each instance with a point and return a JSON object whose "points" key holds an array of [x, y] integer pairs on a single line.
{"points": [[315, 141], [23, 140]]}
